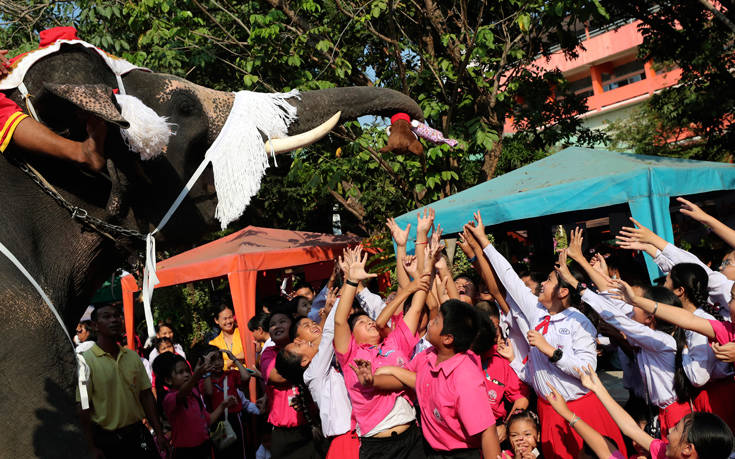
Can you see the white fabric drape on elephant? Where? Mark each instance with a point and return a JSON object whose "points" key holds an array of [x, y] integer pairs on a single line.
{"points": [[239, 159]]}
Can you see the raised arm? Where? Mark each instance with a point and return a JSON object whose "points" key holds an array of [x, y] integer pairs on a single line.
{"points": [[527, 302], [590, 436], [574, 251], [355, 264], [642, 235], [390, 310], [423, 225], [413, 315], [628, 426], [672, 314], [725, 233], [483, 267], [401, 239]]}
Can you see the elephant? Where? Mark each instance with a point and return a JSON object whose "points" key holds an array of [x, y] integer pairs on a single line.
{"points": [[68, 258]]}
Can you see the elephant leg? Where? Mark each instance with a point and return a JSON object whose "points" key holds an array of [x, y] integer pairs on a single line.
{"points": [[37, 381]]}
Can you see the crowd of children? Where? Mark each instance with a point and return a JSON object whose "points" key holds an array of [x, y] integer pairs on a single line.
{"points": [[446, 367]]}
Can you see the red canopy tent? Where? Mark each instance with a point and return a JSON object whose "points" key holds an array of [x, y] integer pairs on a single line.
{"points": [[241, 256]]}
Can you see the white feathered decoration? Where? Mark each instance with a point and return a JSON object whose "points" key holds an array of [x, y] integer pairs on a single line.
{"points": [[148, 133], [238, 155]]}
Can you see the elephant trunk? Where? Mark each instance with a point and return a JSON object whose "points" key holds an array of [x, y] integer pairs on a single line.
{"points": [[315, 107]]}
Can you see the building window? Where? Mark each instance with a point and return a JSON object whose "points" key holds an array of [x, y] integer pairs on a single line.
{"points": [[581, 87], [623, 75]]}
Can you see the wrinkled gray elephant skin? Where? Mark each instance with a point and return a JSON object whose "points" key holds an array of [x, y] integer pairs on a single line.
{"points": [[37, 383]]}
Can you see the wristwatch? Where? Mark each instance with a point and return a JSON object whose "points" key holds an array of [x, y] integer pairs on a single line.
{"points": [[556, 356], [580, 287]]}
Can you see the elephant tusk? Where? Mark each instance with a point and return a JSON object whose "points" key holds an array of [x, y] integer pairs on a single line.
{"points": [[301, 140]]}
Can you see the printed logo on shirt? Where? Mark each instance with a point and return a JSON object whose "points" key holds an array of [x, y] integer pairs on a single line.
{"points": [[400, 362], [564, 331], [437, 415], [492, 395]]}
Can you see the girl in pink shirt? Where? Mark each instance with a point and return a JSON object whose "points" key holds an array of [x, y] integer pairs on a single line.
{"points": [[183, 405], [696, 436], [385, 419]]}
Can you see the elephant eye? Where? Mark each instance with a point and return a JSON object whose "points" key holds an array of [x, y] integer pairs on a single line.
{"points": [[186, 107]]}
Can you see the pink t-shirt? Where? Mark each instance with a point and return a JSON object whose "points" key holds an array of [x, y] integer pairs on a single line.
{"points": [[453, 400], [370, 406], [281, 413], [724, 331], [617, 455], [658, 449], [501, 383], [188, 418]]}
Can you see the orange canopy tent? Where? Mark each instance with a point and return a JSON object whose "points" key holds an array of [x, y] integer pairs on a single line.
{"points": [[241, 256]]}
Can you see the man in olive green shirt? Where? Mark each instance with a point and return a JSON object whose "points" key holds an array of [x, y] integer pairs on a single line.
{"points": [[120, 395]]}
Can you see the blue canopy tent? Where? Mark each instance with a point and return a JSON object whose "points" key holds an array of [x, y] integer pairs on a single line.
{"points": [[584, 178]]}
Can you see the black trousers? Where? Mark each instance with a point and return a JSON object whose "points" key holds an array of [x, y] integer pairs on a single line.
{"points": [[203, 451], [293, 443], [130, 441], [406, 445]]}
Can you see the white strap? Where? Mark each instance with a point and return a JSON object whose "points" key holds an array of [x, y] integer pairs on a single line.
{"points": [[24, 92], [224, 395], [120, 86], [150, 280], [82, 367]]}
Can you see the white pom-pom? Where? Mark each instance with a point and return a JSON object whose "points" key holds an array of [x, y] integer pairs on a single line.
{"points": [[148, 133]]}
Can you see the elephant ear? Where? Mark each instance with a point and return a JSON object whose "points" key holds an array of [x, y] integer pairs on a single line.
{"points": [[96, 99]]}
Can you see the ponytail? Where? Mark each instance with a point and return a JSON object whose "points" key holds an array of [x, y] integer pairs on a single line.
{"points": [[694, 280]]}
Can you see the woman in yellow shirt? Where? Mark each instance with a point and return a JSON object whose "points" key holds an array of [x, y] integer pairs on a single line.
{"points": [[229, 337]]}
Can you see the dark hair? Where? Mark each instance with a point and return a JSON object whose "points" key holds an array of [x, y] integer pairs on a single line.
{"points": [[486, 333], [694, 280], [164, 324], [158, 342], [303, 284], [288, 365], [221, 307], [200, 350], [710, 435], [684, 389], [97, 307], [524, 415], [354, 316], [575, 300], [87, 325], [460, 321], [259, 320], [631, 271], [294, 303], [163, 367]]}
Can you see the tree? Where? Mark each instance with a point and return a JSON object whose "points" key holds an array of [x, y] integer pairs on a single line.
{"points": [[467, 62], [692, 119]]}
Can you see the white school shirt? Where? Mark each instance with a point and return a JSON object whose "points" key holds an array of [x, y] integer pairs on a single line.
{"points": [[370, 301], [319, 301], [657, 349], [718, 285], [569, 330], [516, 329], [327, 385], [699, 361]]}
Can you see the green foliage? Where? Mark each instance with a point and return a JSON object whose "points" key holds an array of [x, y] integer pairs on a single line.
{"points": [[692, 119]]}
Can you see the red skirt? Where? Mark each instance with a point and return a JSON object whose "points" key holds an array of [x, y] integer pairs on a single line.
{"points": [[718, 397], [345, 446], [668, 417], [558, 440]]}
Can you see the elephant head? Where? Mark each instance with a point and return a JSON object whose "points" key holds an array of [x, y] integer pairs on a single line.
{"points": [[197, 115], [68, 259]]}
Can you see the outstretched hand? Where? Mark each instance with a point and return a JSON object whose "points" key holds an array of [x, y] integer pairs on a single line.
{"points": [[639, 233], [411, 265], [599, 264], [399, 235], [693, 210], [574, 250], [623, 291], [505, 349], [364, 371], [477, 227], [563, 269], [557, 402], [423, 223], [357, 266], [589, 379]]}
